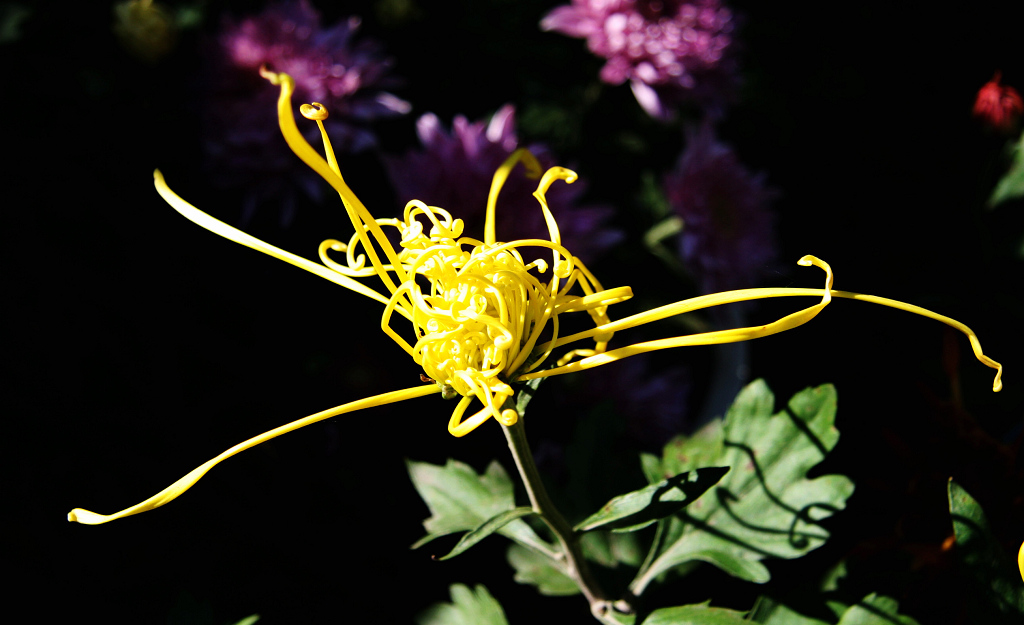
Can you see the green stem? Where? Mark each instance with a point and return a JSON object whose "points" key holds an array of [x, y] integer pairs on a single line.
{"points": [[575, 565]]}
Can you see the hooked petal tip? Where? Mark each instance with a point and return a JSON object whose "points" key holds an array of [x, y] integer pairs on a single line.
{"points": [[314, 111], [85, 517]]}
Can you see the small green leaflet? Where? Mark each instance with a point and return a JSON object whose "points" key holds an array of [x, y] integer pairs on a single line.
{"points": [[874, 609], [468, 607], [487, 528], [699, 614], [995, 593], [1011, 185], [459, 500], [640, 508], [536, 570]]}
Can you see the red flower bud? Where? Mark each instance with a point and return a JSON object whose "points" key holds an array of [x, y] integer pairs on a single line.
{"points": [[998, 106]]}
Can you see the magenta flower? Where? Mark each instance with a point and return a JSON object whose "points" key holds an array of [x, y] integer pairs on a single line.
{"points": [[454, 170], [728, 232], [349, 76], [669, 51]]}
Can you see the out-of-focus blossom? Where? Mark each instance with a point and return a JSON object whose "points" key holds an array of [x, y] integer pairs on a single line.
{"points": [[654, 404], [145, 29], [728, 235], [998, 106], [454, 170], [669, 51], [348, 75]]}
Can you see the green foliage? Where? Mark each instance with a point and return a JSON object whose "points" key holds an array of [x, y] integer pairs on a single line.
{"points": [[995, 592], [459, 499], [249, 620], [537, 570], [468, 607], [765, 507], [700, 614], [611, 549], [487, 528], [875, 610], [640, 508], [1011, 185], [871, 610]]}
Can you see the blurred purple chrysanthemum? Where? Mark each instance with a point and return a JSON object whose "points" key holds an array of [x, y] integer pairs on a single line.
{"points": [[728, 229], [655, 405], [244, 146], [670, 51], [454, 171]]}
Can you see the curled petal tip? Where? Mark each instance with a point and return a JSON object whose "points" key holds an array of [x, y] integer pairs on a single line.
{"points": [[276, 78], [314, 111], [806, 261], [85, 517], [508, 416]]}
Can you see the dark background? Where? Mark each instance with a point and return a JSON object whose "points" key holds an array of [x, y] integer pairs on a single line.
{"points": [[139, 345]]}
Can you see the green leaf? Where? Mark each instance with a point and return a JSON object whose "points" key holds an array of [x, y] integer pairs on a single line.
{"points": [[875, 610], [765, 507], [700, 614], [651, 466], [626, 549], [526, 393], [468, 607], [701, 449], [487, 528], [1011, 185], [249, 620], [779, 614], [461, 500], [640, 508], [609, 550], [997, 595], [733, 564], [596, 547], [871, 610], [536, 570]]}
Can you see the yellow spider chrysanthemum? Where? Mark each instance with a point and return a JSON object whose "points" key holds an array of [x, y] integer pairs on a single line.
{"points": [[483, 316]]}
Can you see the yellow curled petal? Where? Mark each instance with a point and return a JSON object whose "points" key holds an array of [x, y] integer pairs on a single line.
{"points": [[500, 176], [173, 491], [459, 428], [742, 334]]}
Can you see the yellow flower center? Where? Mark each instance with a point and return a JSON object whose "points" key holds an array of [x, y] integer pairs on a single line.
{"points": [[477, 308]]}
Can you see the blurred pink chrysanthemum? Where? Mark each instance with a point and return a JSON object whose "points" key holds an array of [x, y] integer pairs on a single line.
{"points": [[728, 237], [454, 170], [330, 65], [669, 51]]}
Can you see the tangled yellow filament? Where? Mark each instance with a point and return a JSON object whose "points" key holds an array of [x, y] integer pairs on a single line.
{"points": [[483, 318]]}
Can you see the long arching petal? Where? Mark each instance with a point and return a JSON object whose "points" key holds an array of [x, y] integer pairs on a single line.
{"points": [[231, 233], [176, 489], [743, 295]]}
